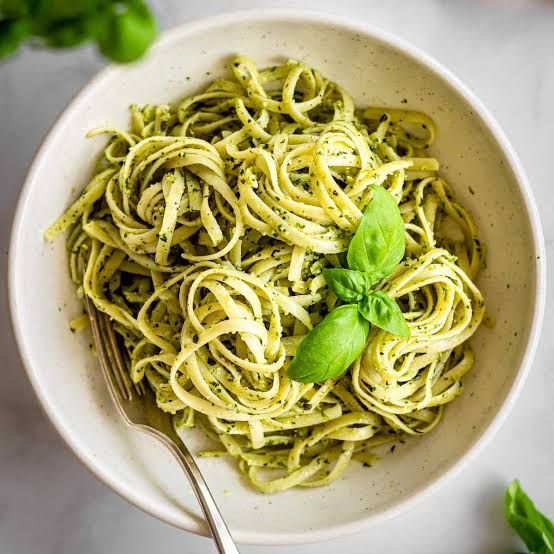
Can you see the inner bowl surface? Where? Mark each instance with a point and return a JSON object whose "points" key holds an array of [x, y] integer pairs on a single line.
{"points": [[378, 70]]}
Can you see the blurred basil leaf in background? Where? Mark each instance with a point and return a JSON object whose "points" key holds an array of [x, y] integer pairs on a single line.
{"points": [[123, 30]]}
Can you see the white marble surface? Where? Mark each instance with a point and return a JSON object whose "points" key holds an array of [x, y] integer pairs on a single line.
{"points": [[50, 504]]}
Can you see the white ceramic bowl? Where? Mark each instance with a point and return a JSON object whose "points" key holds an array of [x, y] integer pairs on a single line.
{"points": [[377, 69]]}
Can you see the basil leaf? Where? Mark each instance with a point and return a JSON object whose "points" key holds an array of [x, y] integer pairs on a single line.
{"points": [[382, 311], [13, 9], [349, 285], [13, 32], [330, 347], [125, 31], [533, 527], [47, 12], [378, 245], [68, 33]]}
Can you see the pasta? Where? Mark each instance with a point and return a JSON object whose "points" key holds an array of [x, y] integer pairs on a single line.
{"points": [[203, 236]]}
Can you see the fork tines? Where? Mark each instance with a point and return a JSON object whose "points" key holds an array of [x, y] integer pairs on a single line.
{"points": [[110, 355]]}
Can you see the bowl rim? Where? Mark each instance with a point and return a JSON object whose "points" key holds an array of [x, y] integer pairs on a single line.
{"points": [[418, 56]]}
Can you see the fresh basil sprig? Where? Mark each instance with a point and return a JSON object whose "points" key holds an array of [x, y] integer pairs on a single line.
{"points": [[534, 528], [122, 29], [373, 254]]}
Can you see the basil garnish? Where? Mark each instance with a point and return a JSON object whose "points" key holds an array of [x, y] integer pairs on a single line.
{"points": [[373, 254], [349, 285], [378, 245], [330, 347], [382, 311]]}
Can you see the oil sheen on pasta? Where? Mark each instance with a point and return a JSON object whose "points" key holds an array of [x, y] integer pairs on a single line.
{"points": [[203, 236]]}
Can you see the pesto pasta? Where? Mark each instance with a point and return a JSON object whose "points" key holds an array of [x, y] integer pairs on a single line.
{"points": [[204, 235]]}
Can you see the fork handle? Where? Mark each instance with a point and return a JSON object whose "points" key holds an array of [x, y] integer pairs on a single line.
{"points": [[218, 528]]}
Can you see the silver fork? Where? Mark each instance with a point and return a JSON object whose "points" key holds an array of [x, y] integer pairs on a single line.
{"points": [[137, 405]]}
